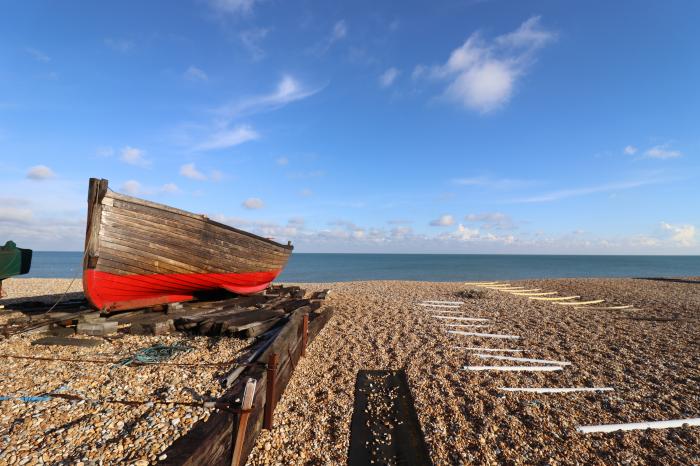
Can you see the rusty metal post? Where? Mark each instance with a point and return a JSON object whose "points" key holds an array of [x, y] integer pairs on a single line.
{"points": [[270, 390], [304, 334]]}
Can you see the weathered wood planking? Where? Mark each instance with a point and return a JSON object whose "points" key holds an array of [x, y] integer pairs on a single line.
{"points": [[138, 236], [210, 442]]}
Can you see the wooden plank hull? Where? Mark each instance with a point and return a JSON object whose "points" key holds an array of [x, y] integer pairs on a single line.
{"points": [[139, 253]]}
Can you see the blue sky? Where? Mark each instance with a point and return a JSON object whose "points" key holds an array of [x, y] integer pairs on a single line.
{"points": [[446, 126]]}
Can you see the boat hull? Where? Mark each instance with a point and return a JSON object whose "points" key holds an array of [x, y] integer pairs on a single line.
{"points": [[14, 260], [113, 292], [139, 253]]}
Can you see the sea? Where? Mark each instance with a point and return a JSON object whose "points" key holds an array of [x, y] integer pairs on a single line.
{"points": [[309, 268]]}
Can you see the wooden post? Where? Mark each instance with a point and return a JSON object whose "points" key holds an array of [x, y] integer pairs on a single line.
{"points": [[304, 334], [270, 392], [246, 405]]}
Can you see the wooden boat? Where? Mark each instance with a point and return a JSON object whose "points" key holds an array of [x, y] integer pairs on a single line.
{"points": [[139, 253], [13, 261]]}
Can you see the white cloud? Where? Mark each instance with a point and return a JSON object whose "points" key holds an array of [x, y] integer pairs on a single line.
{"points": [[388, 77], [38, 55], [134, 156], [119, 45], [288, 90], [233, 6], [630, 150], [282, 161], [662, 151], [464, 234], [228, 137], [306, 192], [492, 220], [682, 235], [132, 187], [253, 203], [190, 171], [251, 39], [195, 74], [443, 221], [481, 74], [40, 172], [169, 188]]}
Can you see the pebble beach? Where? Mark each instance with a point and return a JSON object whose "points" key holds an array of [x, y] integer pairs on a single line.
{"points": [[647, 354]]}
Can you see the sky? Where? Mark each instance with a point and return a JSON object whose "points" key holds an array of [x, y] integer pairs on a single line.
{"points": [[450, 126]]}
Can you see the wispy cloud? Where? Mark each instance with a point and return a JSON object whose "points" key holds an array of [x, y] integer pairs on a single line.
{"points": [[282, 161], [253, 203], [190, 171], [388, 77], [492, 220], [195, 74], [584, 191], [493, 183], [338, 33], [37, 55], [40, 172], [662, 151], [134, 188], [134, 156], [119, 45], [630, 150], [228, 137], [288, 90], [443, 221], [232, 7], [482, 74], [252, 39]]}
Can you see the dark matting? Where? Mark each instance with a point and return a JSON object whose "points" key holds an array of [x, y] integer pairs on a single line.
{"points": [[385, 427]]}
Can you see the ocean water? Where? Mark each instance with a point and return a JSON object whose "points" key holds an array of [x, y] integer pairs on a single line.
{"points": [[432, 267]]}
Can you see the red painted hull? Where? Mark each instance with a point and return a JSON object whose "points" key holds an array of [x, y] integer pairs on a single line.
{"points": [[111, 292]]}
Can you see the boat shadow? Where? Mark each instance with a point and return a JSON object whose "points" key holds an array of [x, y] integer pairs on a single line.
{"points": [[42, 303]]}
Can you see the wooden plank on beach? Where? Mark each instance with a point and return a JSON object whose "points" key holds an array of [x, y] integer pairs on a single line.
{"points": [[555, 389], [675, 423], [534, 294], [470, 319], [560, 298], [484, 335], [510, 358], [580, 303], [513, 368]]}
